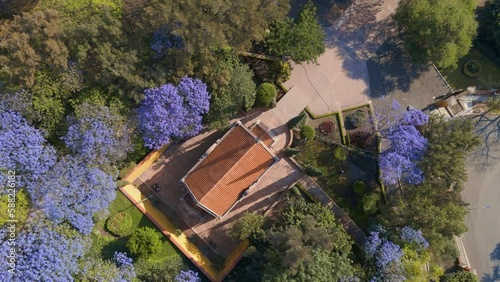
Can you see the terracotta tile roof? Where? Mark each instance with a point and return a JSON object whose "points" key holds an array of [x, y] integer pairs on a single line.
{"points": [[262, 135], [233, 165]]}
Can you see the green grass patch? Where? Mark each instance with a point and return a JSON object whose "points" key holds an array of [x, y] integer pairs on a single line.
{"points": [[105, 244], [489, 77]]}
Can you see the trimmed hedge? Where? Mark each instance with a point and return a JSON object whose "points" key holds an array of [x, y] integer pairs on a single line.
{"points": [[290, 152], [119, 224], [295, 121], [340, 154], [307, 132], [266, 93], [313, 171]]}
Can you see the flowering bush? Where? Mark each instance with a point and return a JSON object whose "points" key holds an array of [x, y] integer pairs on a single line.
{"points": [[23, 148], [73, 192], [187, 276], [386, 257], [173, 112], [43, 254], [327, 126]]}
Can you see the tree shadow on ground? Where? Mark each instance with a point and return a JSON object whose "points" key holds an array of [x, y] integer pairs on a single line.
{"points": [[488, 154], [494, 276], [495, 254], [392, 69]]}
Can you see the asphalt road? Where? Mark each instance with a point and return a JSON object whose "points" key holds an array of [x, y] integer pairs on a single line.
{"points": [[483, 193]]}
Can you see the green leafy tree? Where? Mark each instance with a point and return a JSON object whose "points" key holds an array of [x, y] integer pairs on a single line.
{"points": [[232, 89], [489, 22], [212, 24], [308, 245], [460, 276], [438, 31], [145, 241], [29, 43], [104, 53], [449, 143], [249, 226], [302, 39]]}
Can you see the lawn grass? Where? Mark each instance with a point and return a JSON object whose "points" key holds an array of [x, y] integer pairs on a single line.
{"points": [[104, 245], [489, 78]]}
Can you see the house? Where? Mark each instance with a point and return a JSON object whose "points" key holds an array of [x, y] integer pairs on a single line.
{"points": [[229, 169]]}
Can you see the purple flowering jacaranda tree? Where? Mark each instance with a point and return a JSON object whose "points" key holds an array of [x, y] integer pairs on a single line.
{"points": [[124, 264], [414, 238], [406, 148], [172, 111], [73, 192], [23, 149], [187, 276], [43, 253], [97, 136], [386, 257]]}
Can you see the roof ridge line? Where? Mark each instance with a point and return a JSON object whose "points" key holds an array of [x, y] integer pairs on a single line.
{"points": [[257, 141]]}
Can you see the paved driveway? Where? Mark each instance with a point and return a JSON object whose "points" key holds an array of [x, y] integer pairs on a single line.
{"points": [[483, 193], [340, 78]]}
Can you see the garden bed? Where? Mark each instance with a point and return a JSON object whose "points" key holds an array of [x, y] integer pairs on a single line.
{"points": [[331, 121], [338, 177], [359, 129], [263, 70]]}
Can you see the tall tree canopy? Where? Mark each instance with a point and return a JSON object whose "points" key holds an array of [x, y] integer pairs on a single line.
{"points": [[29, 43], [72, 192], [23, 149], [439, 31], [213, 24], [45, 252], [301, 39], [173, 111], [309, 245], [489, 22], [98, 136]]}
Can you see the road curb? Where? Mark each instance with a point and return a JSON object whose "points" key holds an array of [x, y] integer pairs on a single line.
{"points": [[463, 260]]}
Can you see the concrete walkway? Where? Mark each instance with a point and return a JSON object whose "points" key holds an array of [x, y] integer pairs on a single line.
{"points": [[340, 78]]}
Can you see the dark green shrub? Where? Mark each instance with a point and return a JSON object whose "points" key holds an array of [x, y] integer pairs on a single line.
{"points": [[266, 92], [121, 183], [313, 171], [472, 68], [355, 120], [370, 202], [290, 152], [119, 224], [359, 187], [127, 169], [340, 154], [145, 241], [307, 132], [296, 121]]}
